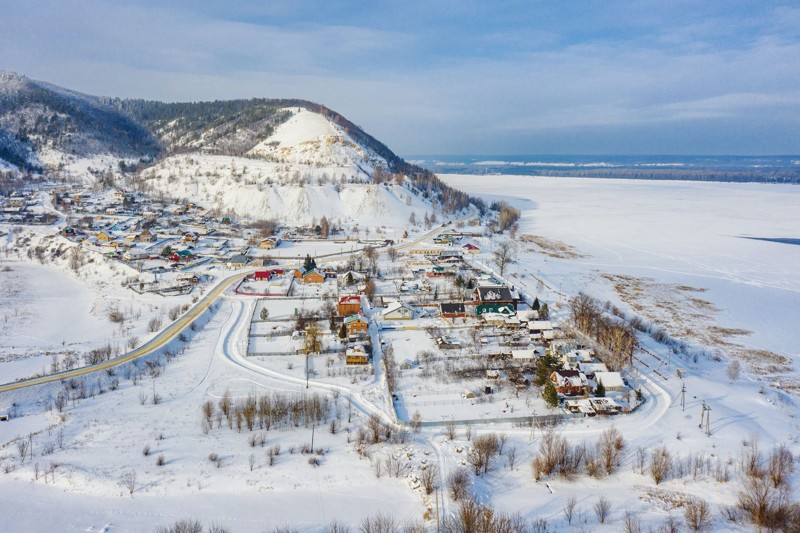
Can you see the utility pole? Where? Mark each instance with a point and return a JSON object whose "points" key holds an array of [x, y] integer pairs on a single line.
{"points": [[313, 427], [702, 415], [683, 396], [706, 417]]}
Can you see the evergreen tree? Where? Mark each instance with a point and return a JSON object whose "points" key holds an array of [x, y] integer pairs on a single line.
{"points": [[309, 263], [343, 331], [166, 251], [600, 391], [550, 395], [545, 366], [544, 312], [536, 304], [349, 278], [264, 313]]}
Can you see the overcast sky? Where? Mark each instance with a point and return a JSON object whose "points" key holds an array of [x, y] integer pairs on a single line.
{"points": [[448, 77]]}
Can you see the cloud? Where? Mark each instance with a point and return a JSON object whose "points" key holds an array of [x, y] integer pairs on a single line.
{"points": [[452, 77]]}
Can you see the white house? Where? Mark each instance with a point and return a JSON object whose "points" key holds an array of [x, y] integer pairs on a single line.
{"points": [[397, 311], [542, 329], [612, 381]]}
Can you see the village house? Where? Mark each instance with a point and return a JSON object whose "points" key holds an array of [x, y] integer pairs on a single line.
{"points": [[146, 236], [451, 310], [397, 311], [237, 261], [612, 381], [348, 305], [313, 276], [570, 382], [541, 329], [470, 248], [495, 296], [269, 243], [182, 256], [356, 326], [356, 355]]}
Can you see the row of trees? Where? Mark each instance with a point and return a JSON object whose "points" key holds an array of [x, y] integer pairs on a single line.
{"points": [[266, 411], [616, 337]]}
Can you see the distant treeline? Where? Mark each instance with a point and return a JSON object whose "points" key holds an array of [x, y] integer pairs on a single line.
{"points": [[784, 175]]}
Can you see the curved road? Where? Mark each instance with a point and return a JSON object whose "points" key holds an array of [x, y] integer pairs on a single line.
{"points": [[174, 329]]}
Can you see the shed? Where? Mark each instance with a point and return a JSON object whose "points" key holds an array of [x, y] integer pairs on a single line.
{"points": [[612, 381]]}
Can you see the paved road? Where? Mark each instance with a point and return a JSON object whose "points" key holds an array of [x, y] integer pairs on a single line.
{"points": [[174, 329], [165, 336]]}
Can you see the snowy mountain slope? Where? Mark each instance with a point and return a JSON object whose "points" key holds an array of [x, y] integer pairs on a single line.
{"points": [[311, 139], [294, 193], [44, 126], [227, 155]]}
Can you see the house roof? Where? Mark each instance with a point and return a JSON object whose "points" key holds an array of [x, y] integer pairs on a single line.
{"points": [[238, 259], [350, 299], [609, 379], [394, 306], [494, 294], [570, 378], [452, 307], [354, 318]]}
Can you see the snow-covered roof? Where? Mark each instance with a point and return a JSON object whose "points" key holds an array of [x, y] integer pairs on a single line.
{"points": [[610, 380]]}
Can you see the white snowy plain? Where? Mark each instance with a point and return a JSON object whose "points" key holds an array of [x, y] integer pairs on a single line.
{"points": [[675, 233]]}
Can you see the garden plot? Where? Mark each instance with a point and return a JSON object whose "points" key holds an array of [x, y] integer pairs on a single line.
{"points": [[277, 286], [446, 385]]}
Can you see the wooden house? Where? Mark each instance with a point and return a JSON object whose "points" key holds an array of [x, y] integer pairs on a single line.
{"points": [[570, 382], [356, 355], [356, 326], [348, 305], [313, 276]]}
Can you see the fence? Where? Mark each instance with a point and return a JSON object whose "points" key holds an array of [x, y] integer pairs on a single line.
{"points": [[524, 421]]}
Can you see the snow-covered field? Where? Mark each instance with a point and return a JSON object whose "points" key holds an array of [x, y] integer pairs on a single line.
{"points": [[671, 242], [698, 245]]}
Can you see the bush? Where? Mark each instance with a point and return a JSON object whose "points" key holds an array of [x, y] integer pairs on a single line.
{"points": [[697, 514]]}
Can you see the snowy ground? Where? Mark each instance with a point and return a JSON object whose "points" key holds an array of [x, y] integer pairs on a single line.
{"points": [[691, 244], [698, 247]]}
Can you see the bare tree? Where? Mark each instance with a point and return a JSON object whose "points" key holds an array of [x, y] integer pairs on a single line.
{"points": [[484, 448], [610, 447], [780, 466], [632, 523], [430, 478], [601, 509], [375, 427], [660, 464], [503, 254], [766, 506], [416, 421], [22, 448], [569, 508], [380, 523], [511, 457], [129, 481], [458, 484], [450, 430], [697, 514]]}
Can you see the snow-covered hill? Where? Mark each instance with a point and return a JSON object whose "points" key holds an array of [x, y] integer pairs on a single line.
{"points": [[284, 159], [308, 168], [50, 128]]}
